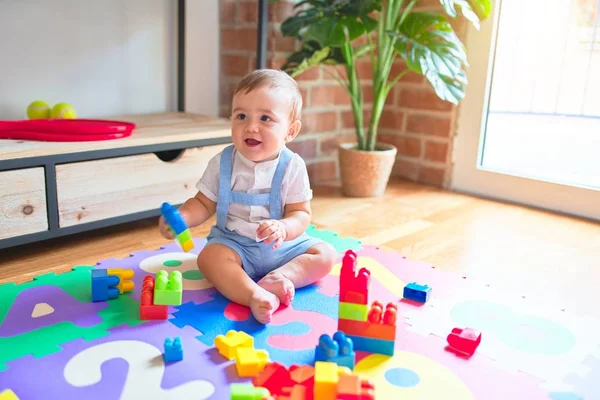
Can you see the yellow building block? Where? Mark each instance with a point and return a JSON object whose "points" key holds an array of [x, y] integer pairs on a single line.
{"points": [[326, 379], [125, 278], [226, 344], [187, 245], [8, 395], [249, 362]]}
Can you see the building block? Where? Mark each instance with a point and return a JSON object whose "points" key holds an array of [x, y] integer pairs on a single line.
{"points": [[168, 288], [148, 310], [338, 350], [250, 362], [173, 350], [304, 375], [367, 329], [177, 224], [326, 379], [274, 377], [8, 395], [352, 284], [125, 279], [357, 312], [352, 387], [227, 344], [464, 340], [371, 345], [417, 292], [104, 286], [247, 391], [296, 392]]}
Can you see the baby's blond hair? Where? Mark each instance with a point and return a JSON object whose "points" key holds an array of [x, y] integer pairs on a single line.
{"points": [[274, 79]]}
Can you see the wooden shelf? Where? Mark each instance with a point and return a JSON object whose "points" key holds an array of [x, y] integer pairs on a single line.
{"points": [[151, 129], [52, 189]]}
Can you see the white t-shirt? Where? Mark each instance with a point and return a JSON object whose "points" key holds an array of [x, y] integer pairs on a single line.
{"points": [[255, 178]]}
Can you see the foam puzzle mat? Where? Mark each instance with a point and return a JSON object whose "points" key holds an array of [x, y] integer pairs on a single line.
{"points": [[56, 343]]}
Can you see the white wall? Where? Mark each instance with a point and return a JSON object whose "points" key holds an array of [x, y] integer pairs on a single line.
{"points": [[108, 57]]}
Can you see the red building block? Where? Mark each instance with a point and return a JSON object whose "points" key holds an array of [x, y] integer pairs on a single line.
{"points": [[352, 387], [464, 340], [274, 377], [354, 288], [149, 311]]}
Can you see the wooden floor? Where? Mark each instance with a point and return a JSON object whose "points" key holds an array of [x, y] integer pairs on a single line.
{"points": [[547, 258]]}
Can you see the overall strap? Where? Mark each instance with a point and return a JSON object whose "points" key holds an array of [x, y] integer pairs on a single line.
{"points": [[224, 186], [275, 206]]}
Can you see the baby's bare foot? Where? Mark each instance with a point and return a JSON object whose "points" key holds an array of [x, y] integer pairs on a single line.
{"points": [[263, 304], [279, 285]]}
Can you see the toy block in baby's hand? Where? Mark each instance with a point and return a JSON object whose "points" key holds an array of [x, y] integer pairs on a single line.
{"points": [[228, 343], [180, 229], [173, 350], [149, 310], [338, 350], [168, 288]]}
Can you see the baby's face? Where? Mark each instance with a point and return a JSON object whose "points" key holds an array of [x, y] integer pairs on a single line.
{"points": [[260, 123]]}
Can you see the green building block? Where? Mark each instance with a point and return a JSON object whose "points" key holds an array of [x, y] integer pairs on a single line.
{"points": [[356, 312], [184, 236], [168, 288], [247, 391]]}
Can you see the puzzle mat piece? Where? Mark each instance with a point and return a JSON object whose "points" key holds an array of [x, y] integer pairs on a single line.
{"points": [[209, 319], [340, 244], [61, 307], [586, 383], [75, 283], [516, 333], [169, 257], [126, 364], [47, 340]]}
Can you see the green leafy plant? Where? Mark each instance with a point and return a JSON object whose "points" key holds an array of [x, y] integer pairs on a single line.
{"points": [[329, 29]]}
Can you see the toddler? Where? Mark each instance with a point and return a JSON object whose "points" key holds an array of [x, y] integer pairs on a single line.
{"points": [[258, 252]]}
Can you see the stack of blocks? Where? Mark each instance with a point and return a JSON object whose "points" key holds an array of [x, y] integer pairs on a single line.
{"points": [[157, 294], [110, 283], [338, 350], [239, 345], [178, 226], [370, 329]]}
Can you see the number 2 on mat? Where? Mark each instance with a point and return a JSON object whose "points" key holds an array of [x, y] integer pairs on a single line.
{"points": [[144, 376]]}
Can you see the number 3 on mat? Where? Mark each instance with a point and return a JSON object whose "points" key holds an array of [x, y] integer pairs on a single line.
{"points": [[143, 379]]}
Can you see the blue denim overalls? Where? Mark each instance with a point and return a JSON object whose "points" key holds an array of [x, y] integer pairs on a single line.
{"points": [[258, 258]]}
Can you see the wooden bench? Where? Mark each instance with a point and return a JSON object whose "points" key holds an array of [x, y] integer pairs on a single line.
{"points": [[51, 189]]}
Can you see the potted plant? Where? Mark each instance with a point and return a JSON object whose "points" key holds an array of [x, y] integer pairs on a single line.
{"points": [[386, 29]]}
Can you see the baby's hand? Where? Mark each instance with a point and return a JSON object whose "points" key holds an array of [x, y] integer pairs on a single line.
{"points": [[272, 230], [164, 229]]}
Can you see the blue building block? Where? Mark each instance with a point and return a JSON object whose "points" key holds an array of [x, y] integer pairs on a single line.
{"points": [[339, 350], [416, 292], [104, 286], [173, 218], [173, 350], [377, 346]]}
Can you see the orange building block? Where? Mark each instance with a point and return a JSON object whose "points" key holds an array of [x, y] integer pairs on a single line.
{"points": [[297, 392], [352, 387]]}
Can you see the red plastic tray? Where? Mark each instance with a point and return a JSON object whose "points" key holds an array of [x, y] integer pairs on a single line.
{"points": [[65, 130]]}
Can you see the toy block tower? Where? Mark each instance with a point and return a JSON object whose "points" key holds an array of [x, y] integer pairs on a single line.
{"points": [[178, 226], [149, 310], [371, 329]]}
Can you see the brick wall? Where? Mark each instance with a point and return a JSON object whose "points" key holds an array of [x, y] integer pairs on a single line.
{"points": [[414, 119]]}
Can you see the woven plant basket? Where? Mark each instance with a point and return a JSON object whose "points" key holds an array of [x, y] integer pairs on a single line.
{"points": [[365, 173]]}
